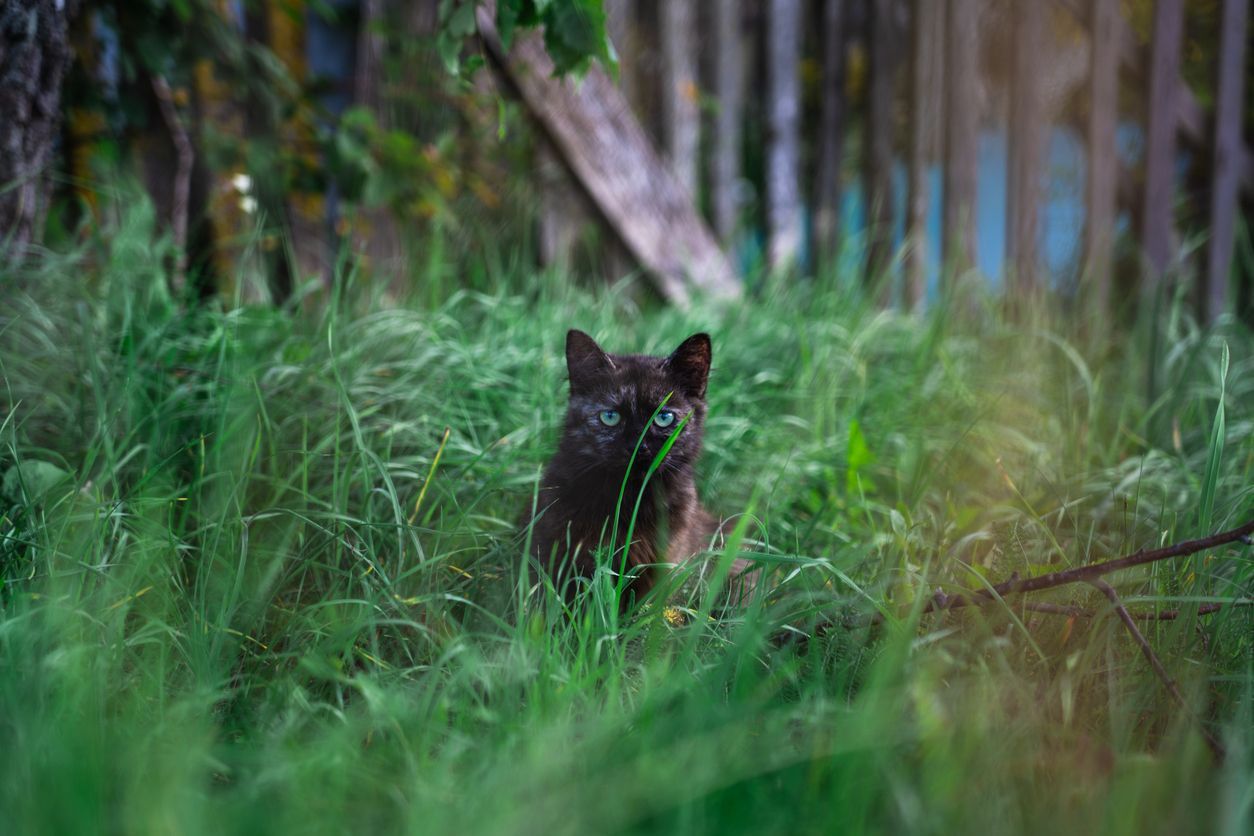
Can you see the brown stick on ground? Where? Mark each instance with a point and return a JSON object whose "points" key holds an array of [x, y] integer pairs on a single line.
{"points": [[1106, 589]]}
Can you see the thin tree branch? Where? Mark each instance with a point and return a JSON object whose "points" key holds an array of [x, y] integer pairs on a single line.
{"points": [[184, 157], [1106, 589]]}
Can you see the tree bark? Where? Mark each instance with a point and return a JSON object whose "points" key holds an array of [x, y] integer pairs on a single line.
{"points": [[783, 144], [34, 54]]}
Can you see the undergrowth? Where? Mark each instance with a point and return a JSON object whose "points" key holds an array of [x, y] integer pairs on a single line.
{"points": [[241, 595]]}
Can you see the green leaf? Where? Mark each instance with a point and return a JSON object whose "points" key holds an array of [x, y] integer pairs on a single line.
{"points": [[857, 456]]}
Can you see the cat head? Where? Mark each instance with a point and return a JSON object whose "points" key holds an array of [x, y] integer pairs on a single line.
{"points": [[615, 399]]}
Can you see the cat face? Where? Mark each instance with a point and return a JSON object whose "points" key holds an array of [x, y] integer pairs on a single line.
{"points": [[615, 399]]}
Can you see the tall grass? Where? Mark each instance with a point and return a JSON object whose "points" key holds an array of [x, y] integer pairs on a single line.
{"points": [[240, 596]]}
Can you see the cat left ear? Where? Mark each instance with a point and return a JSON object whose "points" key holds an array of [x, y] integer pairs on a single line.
{"points": [[689, 364], [584, 359]]}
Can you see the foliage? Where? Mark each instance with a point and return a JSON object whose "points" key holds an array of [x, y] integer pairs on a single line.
{"points": [[239, 593], [574, 31]]}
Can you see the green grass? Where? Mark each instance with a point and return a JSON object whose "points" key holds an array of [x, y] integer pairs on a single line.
{"points": [[217, 616]]}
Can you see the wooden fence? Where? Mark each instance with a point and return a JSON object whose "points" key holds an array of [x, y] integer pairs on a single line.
{"points": [[1174, 116]]}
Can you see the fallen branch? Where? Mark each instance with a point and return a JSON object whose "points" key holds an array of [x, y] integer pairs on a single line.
{"points": [[1086, 574], [1106, 589]]}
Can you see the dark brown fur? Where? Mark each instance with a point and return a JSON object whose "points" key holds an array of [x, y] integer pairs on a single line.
{"points": [[581, 485]]}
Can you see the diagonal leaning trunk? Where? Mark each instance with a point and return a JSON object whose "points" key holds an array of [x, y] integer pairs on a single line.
{"points": [[34, 54], [594, 133]]}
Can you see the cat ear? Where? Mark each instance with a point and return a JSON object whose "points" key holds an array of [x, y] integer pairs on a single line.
{"points": [[584, 359], [689, 365]]}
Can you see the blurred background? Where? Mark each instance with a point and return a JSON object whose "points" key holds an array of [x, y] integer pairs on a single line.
{"points": [[1093, 147]]}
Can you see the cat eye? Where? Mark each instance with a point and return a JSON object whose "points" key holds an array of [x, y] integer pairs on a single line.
{"points": [[664, 418], [609, 417]]}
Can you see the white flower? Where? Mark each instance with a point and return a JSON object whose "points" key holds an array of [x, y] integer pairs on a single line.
{"points": [[242, 183], [248, 204]]}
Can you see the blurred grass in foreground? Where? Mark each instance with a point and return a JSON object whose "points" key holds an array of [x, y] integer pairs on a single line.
{"points": [[217, 616]]}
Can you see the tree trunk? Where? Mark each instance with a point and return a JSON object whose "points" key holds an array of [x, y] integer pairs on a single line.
{"points": [[729, 90], [34, 55], [783, 145], [680, 116], [593, 131]]}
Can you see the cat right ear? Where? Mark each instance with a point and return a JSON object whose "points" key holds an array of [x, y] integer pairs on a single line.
{"points": [[584, 359]]}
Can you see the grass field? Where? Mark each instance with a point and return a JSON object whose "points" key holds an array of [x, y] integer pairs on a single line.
{"points": [[241, 595]]}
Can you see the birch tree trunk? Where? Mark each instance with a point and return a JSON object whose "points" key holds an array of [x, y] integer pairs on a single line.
{"points": [[34, 55], [783, 145]]}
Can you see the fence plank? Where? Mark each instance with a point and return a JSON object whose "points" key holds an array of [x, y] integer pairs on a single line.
{"points": [[1157, 235], [879, 186], [1103, 171], [831, 126], [783, 140], [1026, 135], [1223, 206], [926, 84], [961, 133], [725, 143], [1193, 125], [681, 120]]}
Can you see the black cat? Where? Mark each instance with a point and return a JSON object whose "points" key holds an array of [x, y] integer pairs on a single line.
{"points": [[615, 399]]}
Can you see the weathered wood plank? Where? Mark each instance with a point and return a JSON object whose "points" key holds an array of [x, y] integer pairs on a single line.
{"points": [[729, 91], [926, 114], [1027, 132], [830, 142], [1157, 228], [1228, 113], [961, 133], [1103, 174], [681, 120], [879, 152], [594, 132], [783, 140]]}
